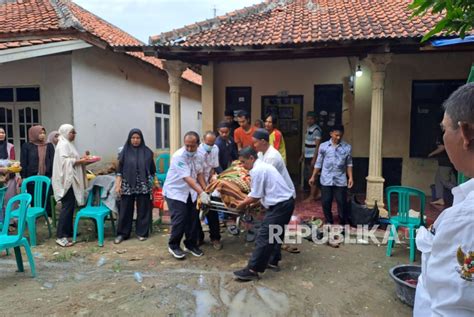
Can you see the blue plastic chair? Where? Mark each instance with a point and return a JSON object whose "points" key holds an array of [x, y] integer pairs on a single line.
{"points": [[41, 185], [98, 212], [402, 219], [17, 240], [161, 173]]}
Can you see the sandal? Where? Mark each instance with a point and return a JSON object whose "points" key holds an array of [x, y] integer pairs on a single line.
{"points": [[64, 242], [290, 248]]}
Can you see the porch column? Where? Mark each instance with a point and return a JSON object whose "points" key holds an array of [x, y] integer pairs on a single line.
{"points": [[378, 64], [175, 70], [207, 96]]}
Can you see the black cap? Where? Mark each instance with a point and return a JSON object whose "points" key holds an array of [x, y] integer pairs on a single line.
{"points": [[261, 134]]}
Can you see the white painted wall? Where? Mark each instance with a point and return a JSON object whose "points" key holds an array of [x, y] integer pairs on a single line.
{"points": [[53, 75], [113, 93]]}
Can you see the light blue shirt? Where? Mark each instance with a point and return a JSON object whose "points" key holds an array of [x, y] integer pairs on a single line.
{"points": [[333, 162]]}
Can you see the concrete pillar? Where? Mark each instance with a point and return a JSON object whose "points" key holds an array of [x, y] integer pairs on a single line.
{"points": [[207, 96], [378, 63], [175, 70]]}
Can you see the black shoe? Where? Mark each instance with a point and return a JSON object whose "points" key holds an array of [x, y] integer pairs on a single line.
{"points": [[246, 275], [118, 240], [177, 253], [273, 267], [194, 251]]}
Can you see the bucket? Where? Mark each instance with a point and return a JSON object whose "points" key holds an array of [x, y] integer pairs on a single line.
{"points": [[158, 200], [405, 277]]}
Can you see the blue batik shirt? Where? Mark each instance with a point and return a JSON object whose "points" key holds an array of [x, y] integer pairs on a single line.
{"points": [[333, 162]]}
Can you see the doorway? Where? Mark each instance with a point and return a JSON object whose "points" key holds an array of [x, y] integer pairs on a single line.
{"points": [[238, 98], [290, 118], [328, 107]]}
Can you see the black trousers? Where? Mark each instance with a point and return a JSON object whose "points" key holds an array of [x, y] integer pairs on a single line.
{"points": [[266, 252], [328, 193], [127, 207], [184, 222], [68, 202], [214, 228], [30, 188]]}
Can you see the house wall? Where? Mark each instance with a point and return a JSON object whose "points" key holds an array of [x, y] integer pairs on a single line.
{"points": [[298, 77], [53, 75], [114, 93]]}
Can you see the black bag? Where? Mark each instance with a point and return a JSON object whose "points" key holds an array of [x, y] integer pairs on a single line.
{"points": [[361, 215]]}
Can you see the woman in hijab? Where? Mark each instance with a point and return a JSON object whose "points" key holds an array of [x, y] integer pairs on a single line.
{"points": [[7, 152], [68, 182], [134, 183], [37, 158], [53, 137]]}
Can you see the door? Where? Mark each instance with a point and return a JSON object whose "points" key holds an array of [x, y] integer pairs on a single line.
{"points": [[238, 98], [290, 119], [328, 107], [6, 121]]}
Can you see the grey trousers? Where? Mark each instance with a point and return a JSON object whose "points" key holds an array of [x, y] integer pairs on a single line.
{"points": [[445, 178]]}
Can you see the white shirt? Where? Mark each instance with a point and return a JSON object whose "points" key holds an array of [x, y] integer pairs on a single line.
{"points": [[273, 157], [210, 160], [268, 185], [182, 166], [441, 291], [313, 133]]}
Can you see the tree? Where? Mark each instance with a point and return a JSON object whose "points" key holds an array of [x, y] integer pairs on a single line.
{"points": [[458, 15]]}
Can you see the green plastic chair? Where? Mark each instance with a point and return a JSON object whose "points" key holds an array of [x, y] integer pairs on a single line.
{"points": [[17, 240], [402, 219], [97, 212], [161, 174], [41, 185]]}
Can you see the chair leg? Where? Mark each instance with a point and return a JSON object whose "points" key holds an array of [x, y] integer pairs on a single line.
{"points": [[76, 224], [100, 231], [31, 222], [412, 244], [47, 222], [391, 239], [19, 259], [31, 259]]}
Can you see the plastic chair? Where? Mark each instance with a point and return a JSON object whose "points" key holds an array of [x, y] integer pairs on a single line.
{"points": [[18, 240], [402, 219], [97, 212], [161, 174], [41, 185]]}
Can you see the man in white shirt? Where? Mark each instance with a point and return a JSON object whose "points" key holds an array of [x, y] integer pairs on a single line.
{"points": [[446, 284], [268, 154], [210, 157], [268, 186], [181, 190], [310, 153]]}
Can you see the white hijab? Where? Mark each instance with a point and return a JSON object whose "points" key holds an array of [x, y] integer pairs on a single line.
{"points": [[65, 174]]}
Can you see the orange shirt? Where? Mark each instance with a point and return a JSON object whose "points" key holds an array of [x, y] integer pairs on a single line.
{"points": [[244, 138]]}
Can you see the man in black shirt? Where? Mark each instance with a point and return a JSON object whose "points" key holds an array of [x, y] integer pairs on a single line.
{"points": [[445, 177], [227, 147]]}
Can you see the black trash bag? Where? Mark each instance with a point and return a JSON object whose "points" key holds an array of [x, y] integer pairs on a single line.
{"points": [[359, 214]]}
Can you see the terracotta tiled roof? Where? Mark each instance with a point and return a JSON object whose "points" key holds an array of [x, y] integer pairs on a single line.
{"points": [[22, 18], [293, 22], [23, 43]]}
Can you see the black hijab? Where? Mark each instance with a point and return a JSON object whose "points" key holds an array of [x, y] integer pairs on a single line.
{"points": [[4, 147], [135, 160]]}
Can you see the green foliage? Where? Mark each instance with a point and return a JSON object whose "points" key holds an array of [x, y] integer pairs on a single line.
{"points": [[458, 15]]}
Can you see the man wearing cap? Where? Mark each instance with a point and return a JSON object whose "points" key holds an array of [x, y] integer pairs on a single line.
{"points": [[227, 147], [446, 284], [268, 154], [229, 118], [181, 190], [268, 187], [310, 153], [335, 164]]}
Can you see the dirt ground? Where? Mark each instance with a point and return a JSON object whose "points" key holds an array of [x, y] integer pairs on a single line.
{"points": [[352, 280]]}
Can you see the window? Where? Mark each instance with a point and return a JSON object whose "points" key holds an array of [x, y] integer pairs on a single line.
{"points": [[427, 113], [19, 111], [162, 125]]}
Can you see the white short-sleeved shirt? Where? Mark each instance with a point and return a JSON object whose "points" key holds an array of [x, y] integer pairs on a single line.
{"points": [[182, 166], [442, 289], [210, 160], [268, 185], [273, 157]]}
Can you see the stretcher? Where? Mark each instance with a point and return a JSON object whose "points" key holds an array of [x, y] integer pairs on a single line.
{"points": [[242, 218]]}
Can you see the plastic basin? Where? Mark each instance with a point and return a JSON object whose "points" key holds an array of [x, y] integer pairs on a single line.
{"points": [[400, 274]]}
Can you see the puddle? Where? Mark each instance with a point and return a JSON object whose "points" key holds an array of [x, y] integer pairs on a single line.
{"points": [[205, 302]]}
